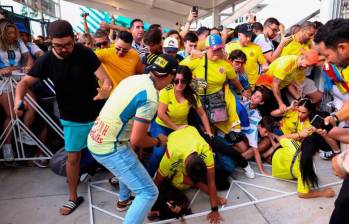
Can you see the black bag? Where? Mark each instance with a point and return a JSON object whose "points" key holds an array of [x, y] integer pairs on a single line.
{"points": [[87, 163]]}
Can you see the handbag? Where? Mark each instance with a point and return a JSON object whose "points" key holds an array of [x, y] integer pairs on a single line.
{"points": [[214, 104]]}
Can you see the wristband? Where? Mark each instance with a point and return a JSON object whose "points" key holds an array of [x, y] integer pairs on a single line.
{"points": [[158, 144], [214, 209]]}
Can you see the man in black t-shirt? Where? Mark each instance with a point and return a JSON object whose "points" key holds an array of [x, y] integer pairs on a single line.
{"points": [[73, 70]]}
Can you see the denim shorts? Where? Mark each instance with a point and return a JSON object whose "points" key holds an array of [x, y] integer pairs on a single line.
{"points": [[75, 135]]}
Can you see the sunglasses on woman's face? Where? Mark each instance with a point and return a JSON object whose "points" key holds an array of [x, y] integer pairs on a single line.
{"points": [[177, 81]]}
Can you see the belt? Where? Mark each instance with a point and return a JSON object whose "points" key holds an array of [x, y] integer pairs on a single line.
{"points": [[120, 143]]}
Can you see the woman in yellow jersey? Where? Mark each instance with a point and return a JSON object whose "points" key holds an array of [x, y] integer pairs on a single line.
{"points": [[219, 71], [297, 118], [174, 105], [292, 161]]}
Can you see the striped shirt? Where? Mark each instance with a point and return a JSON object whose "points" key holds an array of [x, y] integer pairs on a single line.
{"points": [[135, 98]]}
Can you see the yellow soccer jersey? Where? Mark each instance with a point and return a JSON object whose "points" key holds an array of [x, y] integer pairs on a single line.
{"points": [[177, 112], [254, 56], [281, 164], [295, 48], [290, 123], [180, 145], [217, 73], [284, 68]]}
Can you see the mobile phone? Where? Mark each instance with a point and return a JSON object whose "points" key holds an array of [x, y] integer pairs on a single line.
{"points": [[319, 123], [195, 10]]}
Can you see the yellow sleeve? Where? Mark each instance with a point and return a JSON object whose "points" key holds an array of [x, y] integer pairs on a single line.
{"points": [[301, 187], [101, 54], [261, 59], [198, 101], [231, 74], [207, 155], [165, 166], [279, 70], [164, 96]]}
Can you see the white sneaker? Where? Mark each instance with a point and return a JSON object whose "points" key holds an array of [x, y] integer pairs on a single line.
{"points": [[249, 172], [7, 152], [325, 155], [26, 139]]}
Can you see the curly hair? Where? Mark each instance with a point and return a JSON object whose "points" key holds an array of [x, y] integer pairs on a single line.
{"points": [[5, 43]]}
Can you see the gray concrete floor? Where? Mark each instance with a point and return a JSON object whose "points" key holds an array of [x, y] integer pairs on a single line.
{"points": [[33, 196]]}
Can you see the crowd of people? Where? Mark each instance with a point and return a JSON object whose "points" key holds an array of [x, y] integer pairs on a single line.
{"points": [[162, 109]]}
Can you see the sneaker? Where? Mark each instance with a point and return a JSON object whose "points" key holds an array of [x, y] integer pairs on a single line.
{"points": [[123, 205], [83, 177], [7, 152], [26, 139], [41, 163], [249, 172], [325, 155]]}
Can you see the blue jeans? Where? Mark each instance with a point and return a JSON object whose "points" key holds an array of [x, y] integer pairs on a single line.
{"points": [[158, 152], [124, 164]]}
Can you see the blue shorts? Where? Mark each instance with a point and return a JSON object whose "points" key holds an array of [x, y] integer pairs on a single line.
{"points": [[75, 135]]}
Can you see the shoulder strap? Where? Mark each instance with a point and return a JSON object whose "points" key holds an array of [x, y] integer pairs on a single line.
{"points": [[298, 151], [205, 74]]}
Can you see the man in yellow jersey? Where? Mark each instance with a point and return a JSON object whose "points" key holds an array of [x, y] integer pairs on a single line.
{"points": [[121, 61], [255, 57], [283, 72], [302, 41], [189, 162]]}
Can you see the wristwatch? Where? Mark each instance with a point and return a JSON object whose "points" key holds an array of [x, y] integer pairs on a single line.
{"points": [[214, 209]]}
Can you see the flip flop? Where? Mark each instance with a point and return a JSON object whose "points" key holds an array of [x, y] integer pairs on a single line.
{"points": [[71, 205]]}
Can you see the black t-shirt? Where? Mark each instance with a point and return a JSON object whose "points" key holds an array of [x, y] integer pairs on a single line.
{"points": [[75, 83]]}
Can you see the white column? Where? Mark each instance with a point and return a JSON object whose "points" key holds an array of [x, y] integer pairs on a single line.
{"points": [[329, 9]]}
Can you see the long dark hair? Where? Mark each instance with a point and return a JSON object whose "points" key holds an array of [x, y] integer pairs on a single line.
{"points": [[188, 92], [308, 149], [307, 103]]}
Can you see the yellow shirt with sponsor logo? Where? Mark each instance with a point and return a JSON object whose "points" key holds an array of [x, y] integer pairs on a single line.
{"points": [[180, 145], [290, 123], [281, 164], [285, 69], [296, 48], [217, 73], [254, 56], [117, 67], [177, 112]]}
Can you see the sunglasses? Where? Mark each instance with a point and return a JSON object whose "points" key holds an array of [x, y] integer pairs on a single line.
{"points": [[100, 44], [122, 50], [177, 81]]}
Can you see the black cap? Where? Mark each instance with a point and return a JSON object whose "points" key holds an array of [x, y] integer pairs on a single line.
{"points": [[164, 64], [202, 29], [246, 29], [59, 29]]}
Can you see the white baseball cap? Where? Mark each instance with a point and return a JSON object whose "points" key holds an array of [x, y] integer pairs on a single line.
{"points": [[170, 44]]}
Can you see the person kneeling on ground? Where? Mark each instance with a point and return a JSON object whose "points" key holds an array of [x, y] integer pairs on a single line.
{"points": [[189, 160]]}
